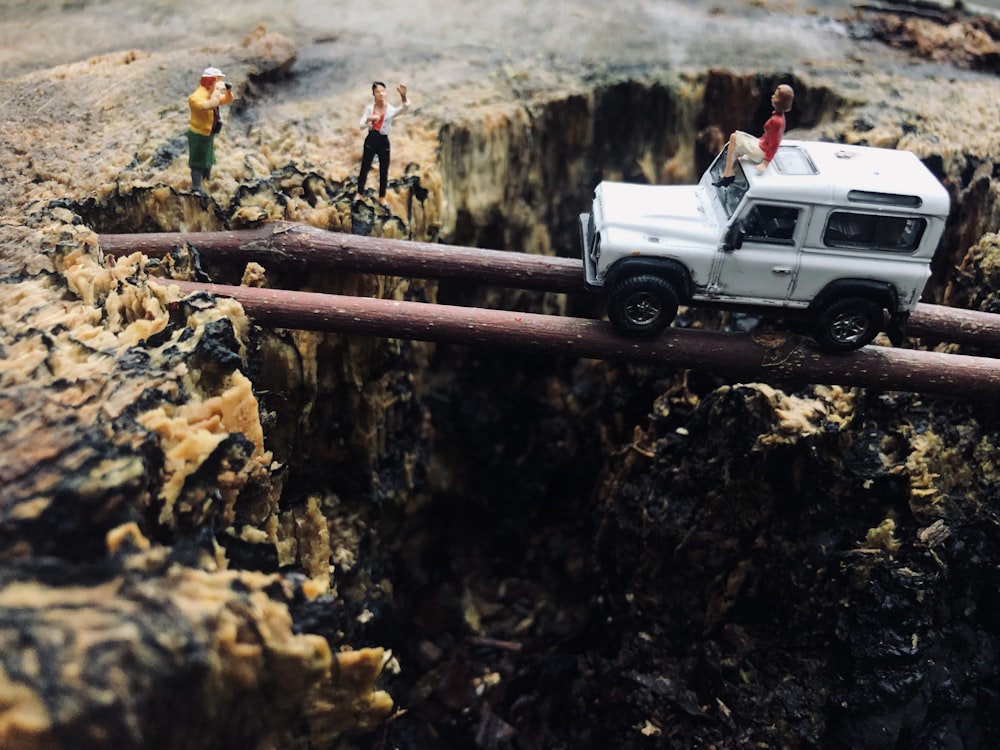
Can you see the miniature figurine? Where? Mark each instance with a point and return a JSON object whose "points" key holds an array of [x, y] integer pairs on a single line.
{"points": [[761, 150], [377, 118], [213, 92]]}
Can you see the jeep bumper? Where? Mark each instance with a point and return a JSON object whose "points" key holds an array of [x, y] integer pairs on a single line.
{"points": [[586, 250]]}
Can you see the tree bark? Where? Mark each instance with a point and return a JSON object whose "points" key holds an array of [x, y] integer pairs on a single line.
{"points": [[771, 357]]}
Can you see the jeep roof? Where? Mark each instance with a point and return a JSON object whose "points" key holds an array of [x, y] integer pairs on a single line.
{"points": [[843, 175]]}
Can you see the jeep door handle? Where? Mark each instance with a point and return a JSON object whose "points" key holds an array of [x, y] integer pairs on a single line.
{"points": [[781, 269]]}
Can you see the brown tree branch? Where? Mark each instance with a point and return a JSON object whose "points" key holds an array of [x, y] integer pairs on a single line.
{"points": [[747, 357], [300, 244]]}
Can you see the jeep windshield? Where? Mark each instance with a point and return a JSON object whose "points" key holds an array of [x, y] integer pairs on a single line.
{"points": [[729, 197]]}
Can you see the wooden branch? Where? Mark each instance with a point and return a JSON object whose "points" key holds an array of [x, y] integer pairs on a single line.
{"points": [[957, 326], [301, 244], [747, 357]]}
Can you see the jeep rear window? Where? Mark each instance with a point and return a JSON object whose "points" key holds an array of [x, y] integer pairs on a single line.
{"points": [[895, 233]]}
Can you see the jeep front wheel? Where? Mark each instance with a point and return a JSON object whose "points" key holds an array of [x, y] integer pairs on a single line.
{"points": [[642, 305], [848, 324]]}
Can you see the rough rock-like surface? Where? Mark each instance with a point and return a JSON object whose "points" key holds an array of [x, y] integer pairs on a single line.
{"points": [[892, 636], [133, 460], [203, 519], [148, 649]]}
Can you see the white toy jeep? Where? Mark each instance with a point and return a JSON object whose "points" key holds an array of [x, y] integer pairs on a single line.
{"points": [[842, 235]]}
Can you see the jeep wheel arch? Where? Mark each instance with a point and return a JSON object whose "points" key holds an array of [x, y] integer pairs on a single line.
{"points": [[880, 292], [666, 268], [642, 305]]}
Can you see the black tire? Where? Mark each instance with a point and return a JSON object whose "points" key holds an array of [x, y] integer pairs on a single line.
{"points": [[848, 324], [642, 305]]}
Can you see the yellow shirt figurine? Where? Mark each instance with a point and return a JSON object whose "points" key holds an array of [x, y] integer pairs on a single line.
{"points": [[213, 92]]}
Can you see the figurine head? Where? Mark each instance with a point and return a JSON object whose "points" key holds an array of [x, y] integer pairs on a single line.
{"points": [[210, 76], [782, 98]]}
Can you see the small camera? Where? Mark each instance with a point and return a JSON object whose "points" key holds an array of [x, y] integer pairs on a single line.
{"points": [[229, 85]]}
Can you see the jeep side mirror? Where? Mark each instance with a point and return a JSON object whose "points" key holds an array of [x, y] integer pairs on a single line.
{"points": [[734, 237]]}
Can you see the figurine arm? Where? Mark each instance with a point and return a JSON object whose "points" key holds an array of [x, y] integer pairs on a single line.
{"points": [[769, 142], [366, 118], [198, 100], [220, 95], [404, 104]]}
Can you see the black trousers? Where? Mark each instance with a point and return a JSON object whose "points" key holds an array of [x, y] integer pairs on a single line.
{"points": [[375, 143]]}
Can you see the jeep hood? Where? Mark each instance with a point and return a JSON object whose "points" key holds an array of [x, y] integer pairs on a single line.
{"points": [[669, 211]]}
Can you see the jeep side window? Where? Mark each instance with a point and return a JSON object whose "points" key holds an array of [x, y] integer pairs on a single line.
{"points": [[769, 223], [897, 233]]}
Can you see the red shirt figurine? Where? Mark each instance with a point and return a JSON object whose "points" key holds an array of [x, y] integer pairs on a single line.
{"points": [[761, 150]]}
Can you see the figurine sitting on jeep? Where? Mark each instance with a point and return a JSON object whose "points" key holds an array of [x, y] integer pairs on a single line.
{"points": [[840, 235]]}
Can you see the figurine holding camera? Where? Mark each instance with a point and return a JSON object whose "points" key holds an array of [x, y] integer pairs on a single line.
{"points": [[213, 92]]}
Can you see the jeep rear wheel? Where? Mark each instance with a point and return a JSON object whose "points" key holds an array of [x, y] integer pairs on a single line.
{"points": [[642, 305], [848, 324]]}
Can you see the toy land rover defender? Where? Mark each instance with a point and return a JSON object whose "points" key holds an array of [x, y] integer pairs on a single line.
{"points": [[842, 235]]}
